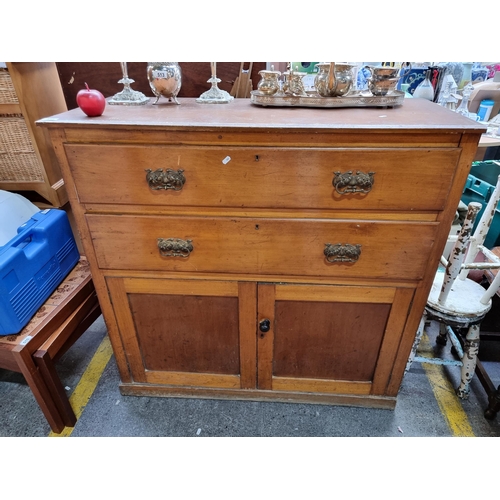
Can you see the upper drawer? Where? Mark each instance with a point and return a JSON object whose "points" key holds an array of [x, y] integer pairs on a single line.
{"points": [[293, 247], [253, 177]]}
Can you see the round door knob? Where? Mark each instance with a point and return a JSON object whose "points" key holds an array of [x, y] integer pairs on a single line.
{"points": [[265, 325]]}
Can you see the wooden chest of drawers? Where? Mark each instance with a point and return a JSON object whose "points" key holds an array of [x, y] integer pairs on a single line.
{"points": [[264, 253]]}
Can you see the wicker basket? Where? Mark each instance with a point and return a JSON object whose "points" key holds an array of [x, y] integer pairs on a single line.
{"points": [[7, 92], [18, 160]]}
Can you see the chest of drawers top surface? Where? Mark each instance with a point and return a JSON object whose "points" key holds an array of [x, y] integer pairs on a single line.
{"points": [[412, 115]]}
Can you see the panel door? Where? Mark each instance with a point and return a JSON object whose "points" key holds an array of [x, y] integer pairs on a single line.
{"points": [[329, 339], [187, 332]]}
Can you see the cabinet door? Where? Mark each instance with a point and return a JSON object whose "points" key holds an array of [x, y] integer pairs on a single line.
{"points": [[329, 339], [187, 332]]}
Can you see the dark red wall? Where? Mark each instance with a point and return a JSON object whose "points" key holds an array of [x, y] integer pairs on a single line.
{"points": [[104, 76]]}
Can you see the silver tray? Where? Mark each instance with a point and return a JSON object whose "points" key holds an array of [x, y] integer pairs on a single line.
{"points": [[355, 99]]}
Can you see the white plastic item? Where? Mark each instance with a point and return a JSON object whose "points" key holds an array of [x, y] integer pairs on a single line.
{"points": [[425, 90], [15, 210]]}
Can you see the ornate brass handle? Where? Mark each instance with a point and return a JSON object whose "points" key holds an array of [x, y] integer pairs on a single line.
{"points": [[175, 247], [347, 182], [170, 179], [342, 252]]}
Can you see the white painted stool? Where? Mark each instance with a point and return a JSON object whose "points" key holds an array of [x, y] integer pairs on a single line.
{"points": [[456, 301]]}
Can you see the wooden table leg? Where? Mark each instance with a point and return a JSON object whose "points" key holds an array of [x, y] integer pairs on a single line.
{"points": [[40, 390], [53, 382], [57, 344]]}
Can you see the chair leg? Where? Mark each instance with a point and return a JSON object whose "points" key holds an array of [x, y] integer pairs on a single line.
{"points": [[493, 405], [469, 360], [416, 342], [442, 336]]}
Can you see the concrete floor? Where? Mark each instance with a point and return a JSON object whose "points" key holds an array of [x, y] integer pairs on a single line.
{"points": [[108, 414]]}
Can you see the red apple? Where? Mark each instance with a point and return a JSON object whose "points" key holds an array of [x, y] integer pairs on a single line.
{"points": [[91, 101]]}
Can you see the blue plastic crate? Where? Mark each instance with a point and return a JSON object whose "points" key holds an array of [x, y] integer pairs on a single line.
{"points": [[480, 191], [488, 171], [32, 265]]}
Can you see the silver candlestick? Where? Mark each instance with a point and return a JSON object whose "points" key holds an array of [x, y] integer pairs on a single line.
{"points": [[128, 96], [215, 95]]}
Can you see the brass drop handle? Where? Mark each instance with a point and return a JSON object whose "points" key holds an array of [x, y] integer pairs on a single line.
{"points": [[340, 252], [175, 247], [348, 182], [168, 179]]}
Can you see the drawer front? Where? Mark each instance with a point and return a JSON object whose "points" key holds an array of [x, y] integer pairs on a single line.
{"points": [[294, 247], [252, 177]]}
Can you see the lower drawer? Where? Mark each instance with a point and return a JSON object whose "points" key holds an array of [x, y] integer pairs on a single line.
{"points": [[293, 247]]}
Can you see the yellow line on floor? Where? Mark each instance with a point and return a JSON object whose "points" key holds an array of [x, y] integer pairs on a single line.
{"points": [[85, 388], [444, 392]]}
